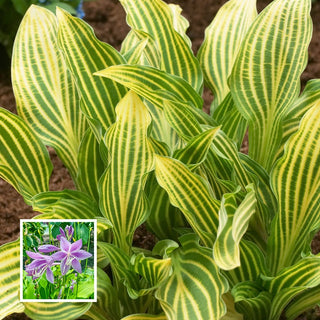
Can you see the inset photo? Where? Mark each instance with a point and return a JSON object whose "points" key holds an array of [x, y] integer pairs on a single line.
{"points": [[58, 260]]}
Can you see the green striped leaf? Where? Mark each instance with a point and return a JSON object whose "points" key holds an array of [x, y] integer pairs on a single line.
{"points": [[144, 316], [291, 281], [153, 270], [307, 99], [10, 279], [84, 55], [24, 160], [56, 310], [161, 129], [266, 76], [296, 183], [195, 287], [107, 306], [233, 124], [140, 48], [45, 93], [130, 292], [304, 273], [152, 84], [122, 199], [91, 165], [305, 301], [195, 152], [233, 223], [252, 264], [155, 18], [69, 204], [223, 38], [164, 218], [251, 300], [136, 56], [180, 23], [191, 194]]}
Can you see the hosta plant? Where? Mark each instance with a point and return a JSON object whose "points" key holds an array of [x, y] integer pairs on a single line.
{"points": [[233, 230]]}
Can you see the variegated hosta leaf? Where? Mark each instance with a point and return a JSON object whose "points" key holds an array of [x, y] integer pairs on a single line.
{"points": [[195, 152], [233, 223], [303, 302], [125, 280], [266, 76], [24, 160], [154, 18], [195, 287], [152, 84], [306, 100], [84, 55], [91, 165], [161, 129], [56, 310], [291, 281], [252, 264], [154, 271], [233, 124], [10, 279], [144, 316], [309, 96], [191, 194], [180, 23], [45, 92], [264, 192], [139, 47], [164, 218], [296, 184], [251, 300], [223, 38], [122, 199], [69, 204], [135, 55], [107, 306], [281, 299]]}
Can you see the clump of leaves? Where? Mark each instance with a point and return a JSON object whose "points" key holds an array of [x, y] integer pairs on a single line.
{"points": [[234, 230]]}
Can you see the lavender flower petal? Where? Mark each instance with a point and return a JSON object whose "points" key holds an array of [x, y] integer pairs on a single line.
{"points": [[36, 264], [76, 265], [62, 233], [49, 275], [81, 254], [76, 246], [48, 248], [59, 255], [64, 267], [34, 255], [65, 244]]}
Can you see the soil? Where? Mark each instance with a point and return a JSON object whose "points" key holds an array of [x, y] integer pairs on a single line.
{"points": [[108, 21]]}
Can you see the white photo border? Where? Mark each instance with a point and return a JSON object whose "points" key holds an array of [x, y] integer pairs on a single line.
{"points": [[94, 253]]}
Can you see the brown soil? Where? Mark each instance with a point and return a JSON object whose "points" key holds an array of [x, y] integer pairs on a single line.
{"points": [[108, 20]]}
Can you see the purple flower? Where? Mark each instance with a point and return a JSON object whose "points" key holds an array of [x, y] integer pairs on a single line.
{"points": [[68, 234], [39, 265], [70, 255], [48, 248]]}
